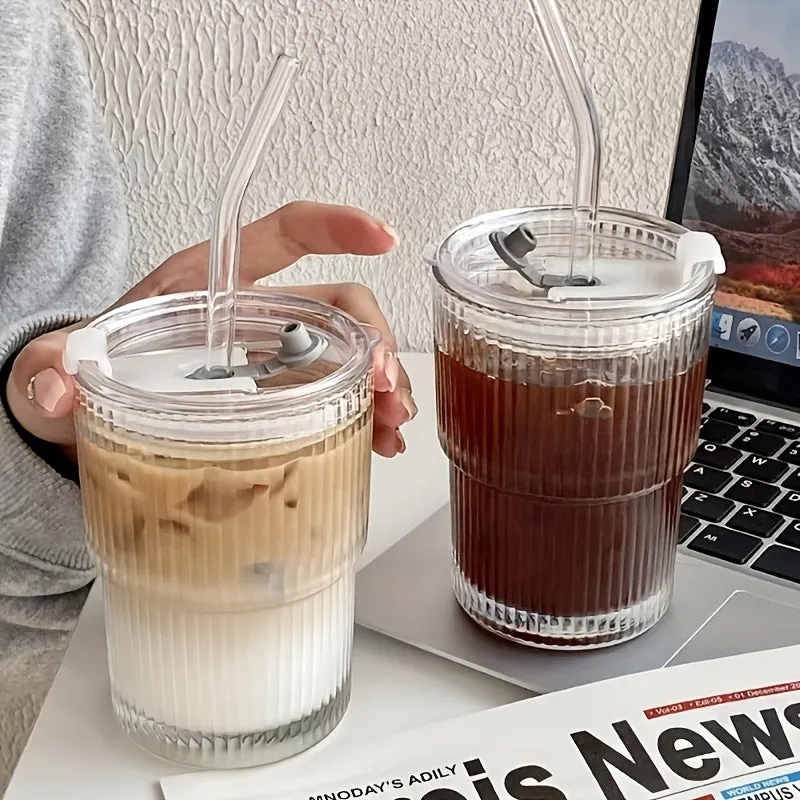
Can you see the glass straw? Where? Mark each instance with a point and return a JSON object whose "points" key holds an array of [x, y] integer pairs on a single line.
{"points": [[223, 272], [585, 123]]}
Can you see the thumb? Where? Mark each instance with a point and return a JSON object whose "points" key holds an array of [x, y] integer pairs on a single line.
{"points": [[40, 394]]}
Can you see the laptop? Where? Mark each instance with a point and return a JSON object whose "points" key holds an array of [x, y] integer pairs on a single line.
{"points": [[737, 582]]}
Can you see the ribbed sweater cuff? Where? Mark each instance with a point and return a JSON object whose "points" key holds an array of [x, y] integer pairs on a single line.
{"points": [[40, 512]]}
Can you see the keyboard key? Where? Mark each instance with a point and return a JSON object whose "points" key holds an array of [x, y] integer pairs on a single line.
{"points": [[789, 505], [792, 481], [764, 444], [727, 545], [754, 493], [779, 428], [761, 468], [791, 454], [716, 455], [739, 418], [686, 527], [756, 521], [707, 507], [706, 479], [782, 562], [719, 432], [791, 535], [706, 408]]}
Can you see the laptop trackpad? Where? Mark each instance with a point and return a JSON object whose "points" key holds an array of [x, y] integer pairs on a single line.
{"points": [[744, 623]]}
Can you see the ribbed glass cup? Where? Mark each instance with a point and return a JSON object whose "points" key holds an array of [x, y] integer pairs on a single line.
{"points": [[567, 432], [226, 532]]}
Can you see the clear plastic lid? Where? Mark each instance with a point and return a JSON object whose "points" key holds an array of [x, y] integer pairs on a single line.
{"points": [[510, 266], [300, 367]]}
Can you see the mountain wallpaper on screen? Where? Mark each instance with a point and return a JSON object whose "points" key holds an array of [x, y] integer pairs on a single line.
{"points": [[745, 179]]}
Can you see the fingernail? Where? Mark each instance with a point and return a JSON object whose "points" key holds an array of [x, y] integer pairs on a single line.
{"points": [[408, 404], [46, 389], [401, 442], [389, 230], [391, 369]]}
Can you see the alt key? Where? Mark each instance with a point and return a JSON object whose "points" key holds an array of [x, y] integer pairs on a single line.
{"points": [[726, 545]]}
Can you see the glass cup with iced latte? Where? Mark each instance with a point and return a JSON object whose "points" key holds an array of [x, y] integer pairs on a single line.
{"points": [[226, 526]]}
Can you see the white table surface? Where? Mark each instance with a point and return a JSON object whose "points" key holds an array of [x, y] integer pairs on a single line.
{"points": [[76, 751]]}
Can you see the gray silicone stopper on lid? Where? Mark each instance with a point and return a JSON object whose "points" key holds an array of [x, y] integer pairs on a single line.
{"points": [[519, 242], [514, 246], [295, 339], [298, 348]]}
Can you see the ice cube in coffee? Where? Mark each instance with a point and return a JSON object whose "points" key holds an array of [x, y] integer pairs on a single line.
{"points": [[226, 527], [568, 414]]}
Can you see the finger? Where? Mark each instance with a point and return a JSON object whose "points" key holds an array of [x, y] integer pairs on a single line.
{"points": [[272, 243], [394, 408], [390, 375], [387, 441], [302, 228], [40, 393]]}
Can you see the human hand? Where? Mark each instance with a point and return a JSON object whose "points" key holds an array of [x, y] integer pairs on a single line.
{"points": [[40, 394]]}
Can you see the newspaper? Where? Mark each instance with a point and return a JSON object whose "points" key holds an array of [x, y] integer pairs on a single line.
{"points": [[717, 729]]}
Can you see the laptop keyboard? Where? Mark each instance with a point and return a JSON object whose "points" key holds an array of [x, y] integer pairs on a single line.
{"points": [[741, 502]]}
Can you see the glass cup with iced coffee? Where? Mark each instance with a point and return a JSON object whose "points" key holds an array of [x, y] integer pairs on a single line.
{"points": [[568, 411], [226, 521]]}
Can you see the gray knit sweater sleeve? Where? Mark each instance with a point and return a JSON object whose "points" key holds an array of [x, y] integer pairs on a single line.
{"points": [[62, 257]]}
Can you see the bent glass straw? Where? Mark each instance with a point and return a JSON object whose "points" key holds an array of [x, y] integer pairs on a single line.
{"points": [[586, 125], [223, 272]]}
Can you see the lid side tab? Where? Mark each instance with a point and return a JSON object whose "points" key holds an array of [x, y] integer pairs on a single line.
{"points": [[86, 344], [696, 248]]}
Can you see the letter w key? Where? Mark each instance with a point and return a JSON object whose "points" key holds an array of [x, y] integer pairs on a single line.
{"points": [[761, 468]]}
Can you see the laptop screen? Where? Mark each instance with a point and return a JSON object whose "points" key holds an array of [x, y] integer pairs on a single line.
{"points": [[743, 181]]}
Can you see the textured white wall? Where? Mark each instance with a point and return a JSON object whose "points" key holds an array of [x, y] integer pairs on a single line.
{"points": [[422, 112]]}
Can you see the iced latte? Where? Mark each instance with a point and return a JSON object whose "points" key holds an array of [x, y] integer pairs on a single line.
{"points": [[226, 543]]}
